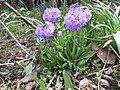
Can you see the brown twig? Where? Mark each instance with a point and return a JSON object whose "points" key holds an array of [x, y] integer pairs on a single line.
{"points": [[8, 31], [101, 71], [6, 64], [94, 73], [17, 13], [51, 80]]}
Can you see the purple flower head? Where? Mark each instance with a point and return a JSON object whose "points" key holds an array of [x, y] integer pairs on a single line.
{"points": [[52, 15], [87, 14], [74, 7], [45, 31], [77, 17]]}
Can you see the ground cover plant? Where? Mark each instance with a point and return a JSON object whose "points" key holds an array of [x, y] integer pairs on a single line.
{"points": [[74, 47]]}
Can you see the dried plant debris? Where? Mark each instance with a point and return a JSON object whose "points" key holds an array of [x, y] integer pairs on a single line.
{"points": [[58, 85], [86, 84], [30, 86], [50, 88], [26, 79], [104, 55], [104, 82], [102, 88]]}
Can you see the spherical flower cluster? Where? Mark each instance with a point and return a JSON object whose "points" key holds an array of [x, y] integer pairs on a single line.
{"points": [[77, 17], [45, 31], [52, 15]]}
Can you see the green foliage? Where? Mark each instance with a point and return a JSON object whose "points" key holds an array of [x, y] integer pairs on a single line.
{"points": [[43, 87], [66, 51], [106, 17], [105, 23], [39, 81], [1, 35], [117, 39], [68, 81]]}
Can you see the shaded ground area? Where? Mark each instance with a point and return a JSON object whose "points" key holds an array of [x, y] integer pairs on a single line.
{"points": [[13, 59]]}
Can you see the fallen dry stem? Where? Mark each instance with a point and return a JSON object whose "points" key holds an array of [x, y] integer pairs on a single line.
{"points": [[17, 13], [101, 71], [94, 73], [51, 80], [8, 31], [7, 64]]}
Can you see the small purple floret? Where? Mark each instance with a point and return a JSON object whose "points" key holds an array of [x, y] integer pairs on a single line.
{"points": [[45, 31], [52, 15]]}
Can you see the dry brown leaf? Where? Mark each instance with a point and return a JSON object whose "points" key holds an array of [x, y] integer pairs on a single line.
{"points": [[26, 79], [30, 85], [103, 55], [104, 82], [95, 47], [86, 84]]}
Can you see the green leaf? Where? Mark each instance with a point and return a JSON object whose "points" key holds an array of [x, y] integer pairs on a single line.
{"points": [[74, 50], [34, 76], [78, 53], [108, 42], [42, 84], [1, 34], [82, 63], [22, 9], [28, 69], [49, 53], [63, 66], [49, 56], [117, 39], [68, 81], [87, 55], [67, 53], [59, 47], [62, 57], [102, 25]]}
